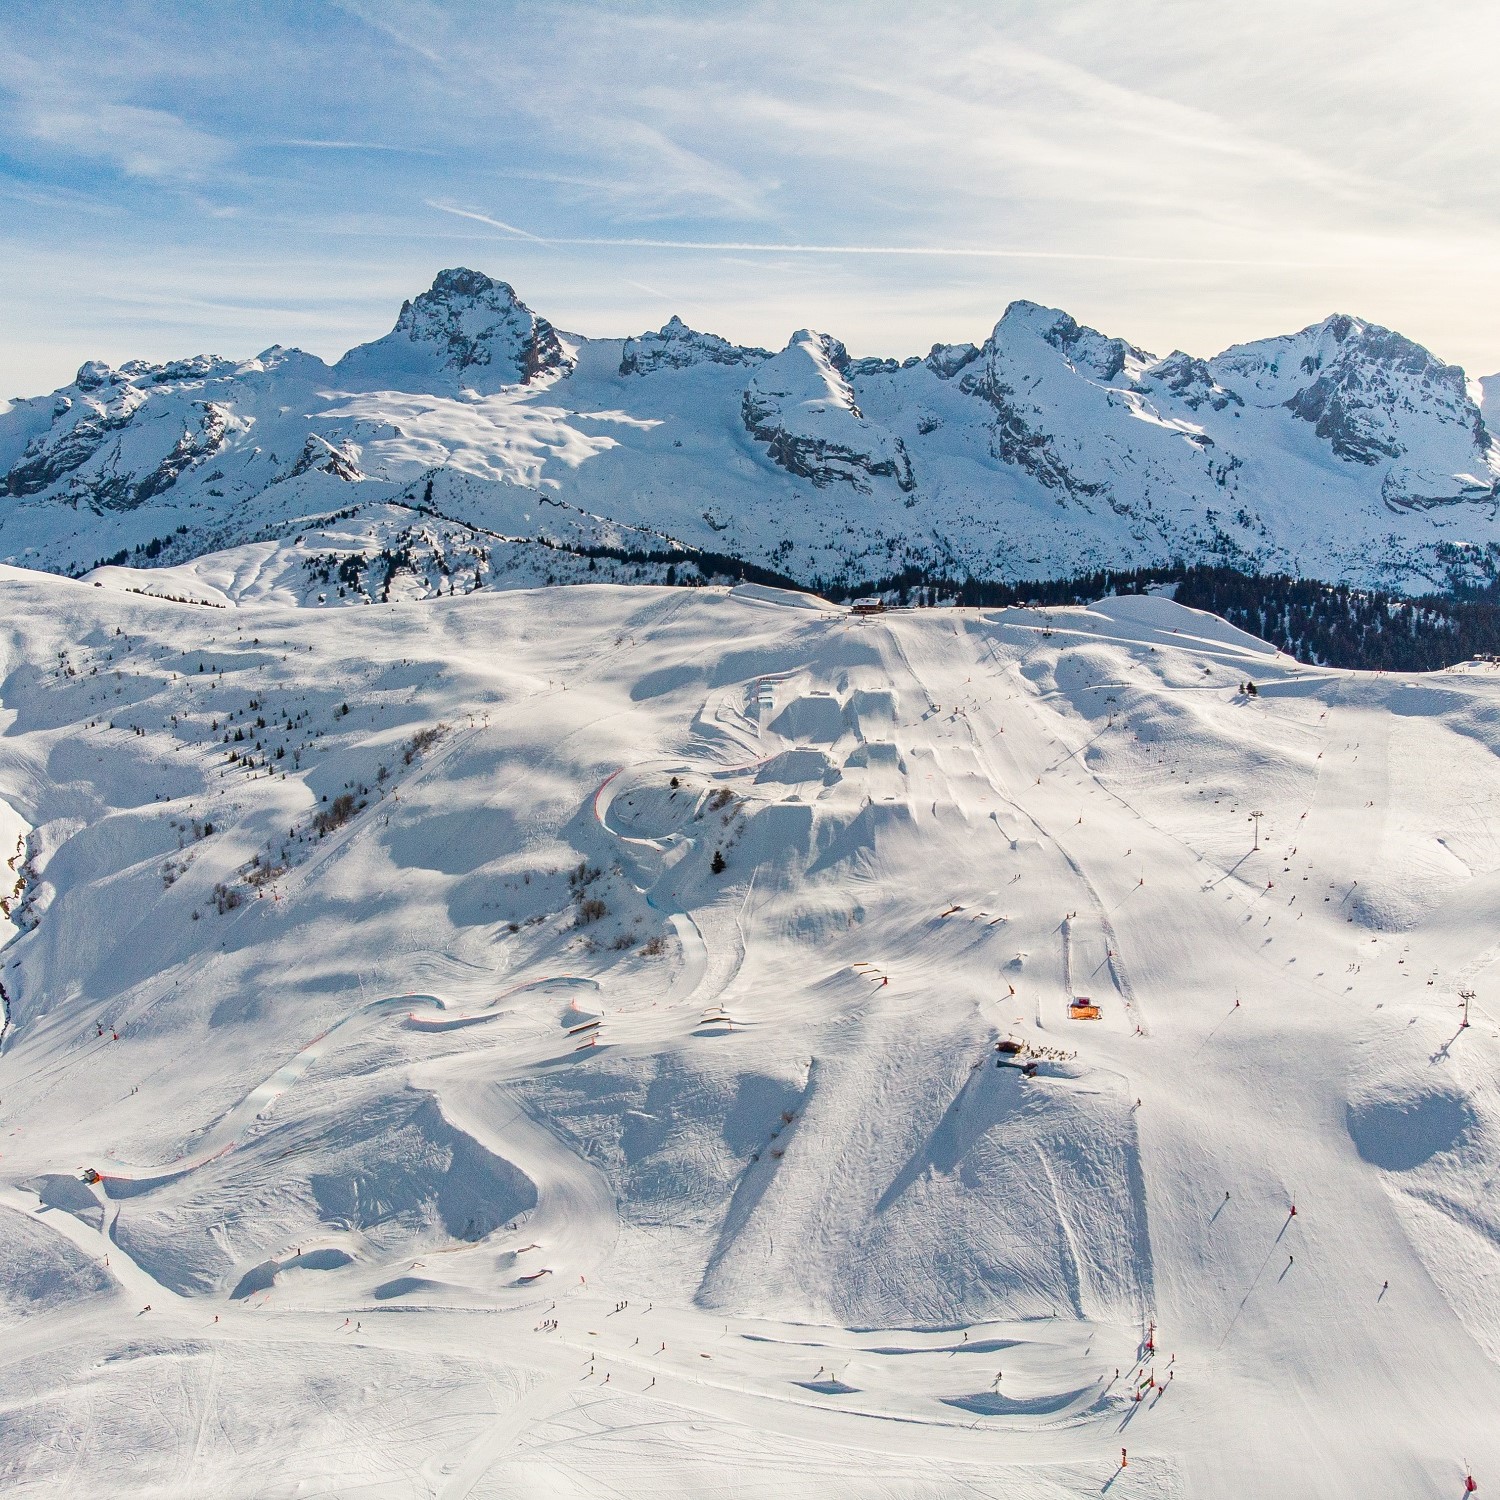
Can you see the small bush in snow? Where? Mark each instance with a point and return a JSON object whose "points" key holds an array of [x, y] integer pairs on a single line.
{"points": [[422, 740], [336, 814]]}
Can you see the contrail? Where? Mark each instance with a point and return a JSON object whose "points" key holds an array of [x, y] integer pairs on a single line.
{"points": [[770, 247], [308, 144], [464, 213]]}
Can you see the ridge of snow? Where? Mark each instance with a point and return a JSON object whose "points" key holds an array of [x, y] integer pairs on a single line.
{"points": [[675, 346]]}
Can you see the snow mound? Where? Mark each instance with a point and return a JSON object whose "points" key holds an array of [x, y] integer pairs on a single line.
{"points": [[1010, 1152], [817, 718], [393, 1178], [794, 766], [42, 1273], [1399, 1132]]}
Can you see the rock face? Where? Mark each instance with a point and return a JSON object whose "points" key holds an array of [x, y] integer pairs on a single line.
{"points": [[675, 346], [91, 442], [142, 435], [946, 360], [1190, 382], [320, 455], [1373, 396], [465, 332], [1344, 451], [1035, 370], [1092, 418], [800, 405], [82, 424]]}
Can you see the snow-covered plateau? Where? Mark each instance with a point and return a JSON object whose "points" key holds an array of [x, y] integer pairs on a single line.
{"points": [[619, 1041], [1344, 452]]}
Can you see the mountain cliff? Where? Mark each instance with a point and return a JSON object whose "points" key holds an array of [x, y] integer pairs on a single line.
{"points": [[465, 333]]}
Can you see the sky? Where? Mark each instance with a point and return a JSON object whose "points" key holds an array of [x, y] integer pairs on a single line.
{"points": [[1182, 173]]}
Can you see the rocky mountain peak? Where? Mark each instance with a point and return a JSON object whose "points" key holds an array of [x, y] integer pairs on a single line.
{"points": [[821, 348], [1090, 352], [281, 360], [93, 374], [459, 281], [946, 360], [1277, 370], [1375, 397], [675, 346], [801, 405], [466, 331]]}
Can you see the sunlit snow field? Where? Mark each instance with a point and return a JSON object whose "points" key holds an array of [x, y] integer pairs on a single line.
{"points": [[477, 1136]]}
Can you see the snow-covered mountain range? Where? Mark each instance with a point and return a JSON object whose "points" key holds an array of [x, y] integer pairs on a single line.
{"points": [[1344, 451]]}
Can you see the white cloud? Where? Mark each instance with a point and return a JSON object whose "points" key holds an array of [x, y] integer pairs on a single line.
{"points": [[479, 218], [752, 247], [148, 143]]}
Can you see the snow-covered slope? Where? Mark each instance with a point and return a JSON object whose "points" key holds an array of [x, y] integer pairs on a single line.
{"points": [[1344, 452], [546, 1042]]}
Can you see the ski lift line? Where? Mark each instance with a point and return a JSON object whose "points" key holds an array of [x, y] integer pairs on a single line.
{"points": [[980, 747]]}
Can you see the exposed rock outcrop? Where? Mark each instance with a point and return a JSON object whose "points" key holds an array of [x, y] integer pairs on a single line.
{"points": [[800, 405]]}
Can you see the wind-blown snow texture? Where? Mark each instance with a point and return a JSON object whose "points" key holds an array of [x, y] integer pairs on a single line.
{"points": [[1344, 452], [545, 1043]]}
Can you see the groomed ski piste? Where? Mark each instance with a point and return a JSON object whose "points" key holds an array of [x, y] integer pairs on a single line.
{"points": [[616, 1041]]}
